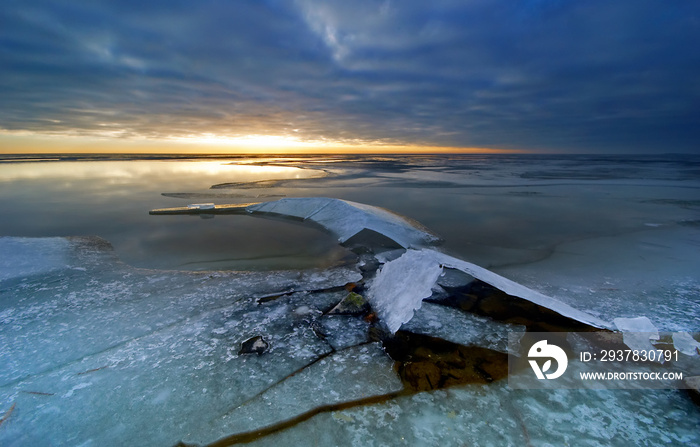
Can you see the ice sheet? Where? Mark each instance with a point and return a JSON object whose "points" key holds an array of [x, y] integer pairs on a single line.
{"points": [[685, 343], [105, 354], [343, 331], [352, 374], [494, 416], [23, 257], [345, 219]]}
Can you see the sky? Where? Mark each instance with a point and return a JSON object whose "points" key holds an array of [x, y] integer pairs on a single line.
{"points": [[584, 76]]}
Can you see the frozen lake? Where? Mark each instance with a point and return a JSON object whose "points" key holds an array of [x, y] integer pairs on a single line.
{"points": [[140, 345]]}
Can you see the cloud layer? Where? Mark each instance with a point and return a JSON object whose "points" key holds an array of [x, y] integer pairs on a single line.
{"points": [[585, 76]]}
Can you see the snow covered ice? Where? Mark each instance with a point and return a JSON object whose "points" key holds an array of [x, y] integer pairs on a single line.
{"points": [[79, 374]]}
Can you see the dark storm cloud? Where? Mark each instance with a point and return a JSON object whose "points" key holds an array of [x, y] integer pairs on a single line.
{"points": [[557, 74]]}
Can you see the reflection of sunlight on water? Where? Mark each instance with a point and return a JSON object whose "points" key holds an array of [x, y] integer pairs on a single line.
{"points": [[137, 169]]}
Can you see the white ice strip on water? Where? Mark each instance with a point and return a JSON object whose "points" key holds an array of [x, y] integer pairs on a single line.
{"points": [[344, 219], [685, 343], [402, 284], [23, 256]]}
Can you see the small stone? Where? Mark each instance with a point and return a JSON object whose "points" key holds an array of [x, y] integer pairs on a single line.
{"points": [[352, 304], [255, 345]]}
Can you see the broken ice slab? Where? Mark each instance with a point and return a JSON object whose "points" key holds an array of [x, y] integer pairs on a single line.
{"points": [[637, 333], [352, 223], [401, 285], [461, 327], [75, 312], [685, 343], [350, 220], [353, 374], [342, 331]]}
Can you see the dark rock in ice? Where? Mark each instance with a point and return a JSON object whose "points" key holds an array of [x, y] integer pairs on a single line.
{"points": [[370, 238], [352, 304], [368, 263], [254, 345]]}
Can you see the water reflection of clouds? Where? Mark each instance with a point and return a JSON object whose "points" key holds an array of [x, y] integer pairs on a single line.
{"points": [[148, 169]]}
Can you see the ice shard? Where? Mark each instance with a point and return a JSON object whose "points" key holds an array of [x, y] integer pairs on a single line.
{"points": [[637, 333], [685, 343], [402, 284]]}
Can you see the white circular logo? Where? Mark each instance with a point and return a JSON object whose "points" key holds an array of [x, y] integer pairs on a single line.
{"points": [[542, 350]]}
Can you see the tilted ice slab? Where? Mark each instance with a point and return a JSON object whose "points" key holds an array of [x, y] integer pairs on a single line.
{"points": [[401, 285], [345, 219]]}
